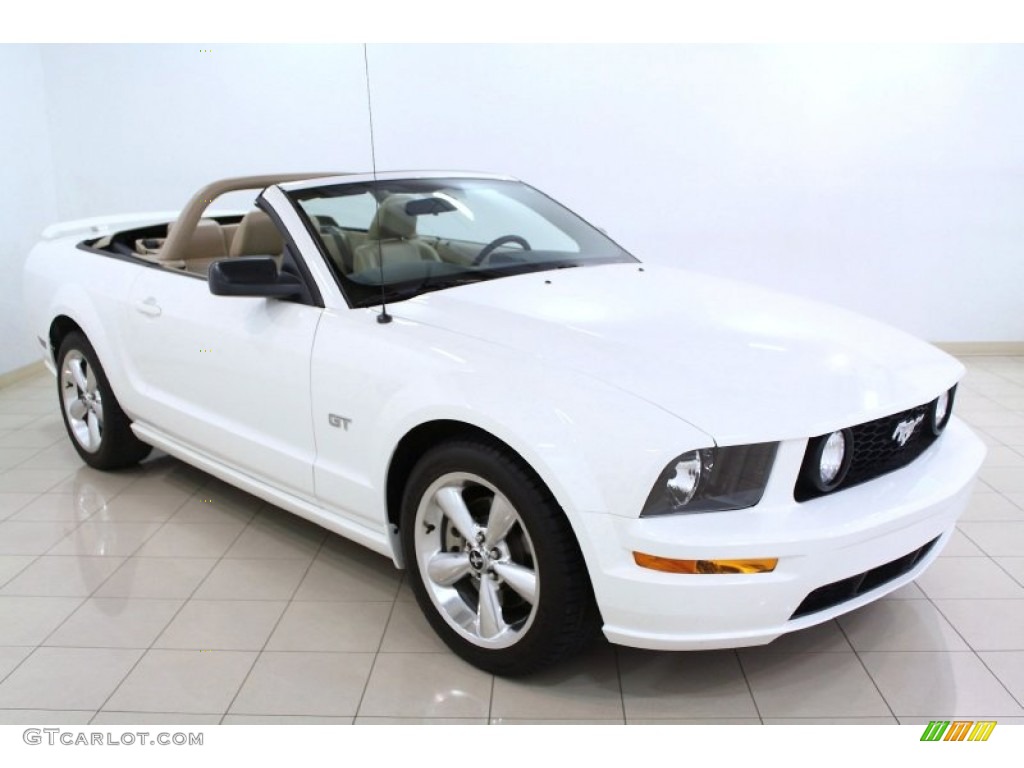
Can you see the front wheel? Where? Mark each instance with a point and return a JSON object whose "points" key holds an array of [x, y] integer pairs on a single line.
{"points": [[493, 561], [99, 430]]}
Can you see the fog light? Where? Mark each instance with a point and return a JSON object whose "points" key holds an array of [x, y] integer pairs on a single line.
{"points": [[826, 465], [941, 410], [670, 565], [832, 456]]}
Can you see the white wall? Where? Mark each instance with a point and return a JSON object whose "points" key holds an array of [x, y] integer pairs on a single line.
{"points": [[142, 127], [26, 190], [886, 179]]}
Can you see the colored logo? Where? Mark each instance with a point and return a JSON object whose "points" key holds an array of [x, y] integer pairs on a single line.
{"points": [[958, 730]]}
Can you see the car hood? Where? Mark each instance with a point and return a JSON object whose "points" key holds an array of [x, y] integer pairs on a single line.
{"points": [[741, 363]]}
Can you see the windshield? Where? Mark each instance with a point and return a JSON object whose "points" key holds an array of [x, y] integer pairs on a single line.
{"points": [[419, 235]]}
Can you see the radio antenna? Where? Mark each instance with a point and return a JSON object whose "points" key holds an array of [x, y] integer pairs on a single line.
{"points": [[383, 317]]}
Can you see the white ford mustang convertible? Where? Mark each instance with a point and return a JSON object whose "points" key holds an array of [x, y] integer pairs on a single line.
{"points": [[461, 374]]}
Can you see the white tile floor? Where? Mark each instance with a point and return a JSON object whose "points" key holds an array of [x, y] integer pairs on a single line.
{"points": [[161, 595]]}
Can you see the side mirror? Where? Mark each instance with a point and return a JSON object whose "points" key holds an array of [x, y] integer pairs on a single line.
{"points": [[252, 276]]}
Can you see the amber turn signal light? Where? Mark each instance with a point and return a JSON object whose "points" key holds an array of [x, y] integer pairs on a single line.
{"points": [[668, 565]]}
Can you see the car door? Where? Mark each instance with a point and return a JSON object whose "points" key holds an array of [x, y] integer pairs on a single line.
{"points": [[226, 375]]}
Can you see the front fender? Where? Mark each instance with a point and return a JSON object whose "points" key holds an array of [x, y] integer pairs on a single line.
{"points": [[598, 450]]}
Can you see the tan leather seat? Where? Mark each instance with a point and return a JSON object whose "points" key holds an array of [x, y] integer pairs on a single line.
{"points": [[339, 248], [257, 236], [229, 231], [392, 235], [205, 247]]}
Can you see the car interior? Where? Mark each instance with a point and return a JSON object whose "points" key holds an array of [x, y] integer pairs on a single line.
{"points": [[219, 237], [390, 235], [213, 238]]}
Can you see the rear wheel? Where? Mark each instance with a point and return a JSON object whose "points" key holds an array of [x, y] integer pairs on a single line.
{"points": [[98, 428], [493, 561]]}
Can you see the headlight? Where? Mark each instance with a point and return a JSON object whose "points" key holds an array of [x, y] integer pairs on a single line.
{"points": [[941, 410], [712, 480], [686, 475]]}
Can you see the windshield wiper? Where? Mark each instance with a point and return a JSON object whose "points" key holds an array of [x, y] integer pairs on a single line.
{"points": [[401, 294], [450, 282]]}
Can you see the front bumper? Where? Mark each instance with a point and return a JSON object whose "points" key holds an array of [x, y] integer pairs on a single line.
{"points": [[817, 543]]}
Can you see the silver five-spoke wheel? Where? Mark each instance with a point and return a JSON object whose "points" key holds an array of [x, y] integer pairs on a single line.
{"points": [[99, 430], [492, 558], [82, 400], [478, 562]]}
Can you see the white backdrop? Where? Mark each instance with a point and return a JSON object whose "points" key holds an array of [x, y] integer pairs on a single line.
{"points": [[886, 179], [26, 189]]}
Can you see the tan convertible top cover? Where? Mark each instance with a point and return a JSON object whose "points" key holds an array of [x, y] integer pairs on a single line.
{"points": [[174, 249]]}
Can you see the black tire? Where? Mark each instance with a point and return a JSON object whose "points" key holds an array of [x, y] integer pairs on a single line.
{"points": [[112, 444], [562, 617]]}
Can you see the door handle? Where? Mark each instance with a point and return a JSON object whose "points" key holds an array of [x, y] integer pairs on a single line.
{"points": [[149, 307]]}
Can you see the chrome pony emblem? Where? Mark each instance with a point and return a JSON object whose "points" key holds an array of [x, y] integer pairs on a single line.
{"points": [[905, 430]]}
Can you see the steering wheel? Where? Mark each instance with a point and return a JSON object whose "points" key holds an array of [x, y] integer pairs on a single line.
{"points": [[497, 243]]}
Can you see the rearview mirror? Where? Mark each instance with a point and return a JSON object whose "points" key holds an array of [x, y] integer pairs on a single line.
{"points": [[252, 276], [424, 206]]}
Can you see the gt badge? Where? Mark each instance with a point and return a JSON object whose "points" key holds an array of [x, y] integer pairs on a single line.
{"points": [[338, 421]]}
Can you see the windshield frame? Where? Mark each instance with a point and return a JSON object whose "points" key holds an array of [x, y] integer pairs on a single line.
{"points": [[363, 295]]}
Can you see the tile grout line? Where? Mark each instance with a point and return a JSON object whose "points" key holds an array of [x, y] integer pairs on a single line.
{"points": [[86, 598], [973, 650], [956, 629], [44, 385], [288, 604], [184, 602], [1013, 578], [618, 675], [18, 573], [992, 558], [750, 688], [1019, 700], [490, 702], [81, 599], [376, 655], [977, 655], [17, 510], [888, 704], [38, 451]]}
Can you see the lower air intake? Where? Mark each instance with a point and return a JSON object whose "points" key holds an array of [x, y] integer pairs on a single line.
{"points": [[846, 589]]}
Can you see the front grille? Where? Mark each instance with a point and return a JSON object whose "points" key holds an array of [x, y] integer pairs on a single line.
{"points": [[876, 451], [846, 589]]}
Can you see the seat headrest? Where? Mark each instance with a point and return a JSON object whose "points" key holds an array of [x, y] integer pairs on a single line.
{"points": [[257, 236], [391, 221], [207, 241]]}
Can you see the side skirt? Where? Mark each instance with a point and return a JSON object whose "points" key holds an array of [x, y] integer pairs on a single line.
{"points": [[378, 541]]}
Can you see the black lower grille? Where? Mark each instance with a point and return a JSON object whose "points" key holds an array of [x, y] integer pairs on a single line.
{"points": [[846, 589], [877, 449]]}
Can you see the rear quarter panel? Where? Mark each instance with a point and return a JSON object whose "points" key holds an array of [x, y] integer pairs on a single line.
{"points": [[90, 289]]}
